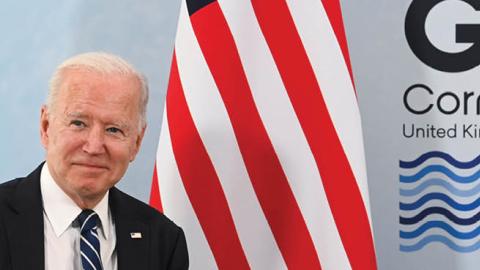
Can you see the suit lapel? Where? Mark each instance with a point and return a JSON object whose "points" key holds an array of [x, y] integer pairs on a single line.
{"points": [[25, 224], [132, 250], [25, 232]]}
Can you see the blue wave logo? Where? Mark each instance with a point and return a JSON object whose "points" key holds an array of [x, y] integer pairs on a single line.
{"points": [[439, 203]]}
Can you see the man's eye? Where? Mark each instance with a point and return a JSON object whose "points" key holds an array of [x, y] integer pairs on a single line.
{"points": [[77, 123], [114, 130]]}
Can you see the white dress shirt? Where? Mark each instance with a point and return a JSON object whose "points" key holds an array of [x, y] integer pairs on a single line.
{"points": [[62, 234]]}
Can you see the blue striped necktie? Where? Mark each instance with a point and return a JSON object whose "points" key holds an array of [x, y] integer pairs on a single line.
{"points": [[89, 242]]}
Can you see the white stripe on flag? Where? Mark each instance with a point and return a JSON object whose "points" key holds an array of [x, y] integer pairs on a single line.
{"points": [[218, 137], [285, 132], [176, 204], [332, 74]]}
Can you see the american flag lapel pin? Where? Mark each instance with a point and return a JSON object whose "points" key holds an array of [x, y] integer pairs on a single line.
{"points": [[136, 235]]}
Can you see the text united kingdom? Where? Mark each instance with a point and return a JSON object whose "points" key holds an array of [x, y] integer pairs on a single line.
{"points": [[431, 131]]}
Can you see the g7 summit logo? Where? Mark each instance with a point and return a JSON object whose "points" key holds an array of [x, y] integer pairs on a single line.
{"points": [[432, 56], [439, 200]]}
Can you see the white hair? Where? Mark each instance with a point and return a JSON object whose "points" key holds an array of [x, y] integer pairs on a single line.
{"points": [[102, 63]]}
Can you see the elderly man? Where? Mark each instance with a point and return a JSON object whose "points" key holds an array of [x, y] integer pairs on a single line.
{"points": [[67, 214]]}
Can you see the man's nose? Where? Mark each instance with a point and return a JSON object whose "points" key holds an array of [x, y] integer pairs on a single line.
{"points": [[95, 141]]}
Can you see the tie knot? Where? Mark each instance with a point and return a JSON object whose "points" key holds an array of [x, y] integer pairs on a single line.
{"points": [[88, 220]]}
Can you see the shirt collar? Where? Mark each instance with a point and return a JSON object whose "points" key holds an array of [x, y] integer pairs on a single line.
{"points": [[61, 210]]}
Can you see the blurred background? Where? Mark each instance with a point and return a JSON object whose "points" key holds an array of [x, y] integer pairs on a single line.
{"points": [[38, 36]]}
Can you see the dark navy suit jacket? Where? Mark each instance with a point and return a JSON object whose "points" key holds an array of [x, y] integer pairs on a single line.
{"points": [[162, 245]]}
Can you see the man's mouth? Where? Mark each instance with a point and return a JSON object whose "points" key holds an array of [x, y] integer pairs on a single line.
{"points": [[91, 165]]}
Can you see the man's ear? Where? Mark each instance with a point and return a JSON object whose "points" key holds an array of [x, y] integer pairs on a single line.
{"points": [[138, 143], [44, 125]]}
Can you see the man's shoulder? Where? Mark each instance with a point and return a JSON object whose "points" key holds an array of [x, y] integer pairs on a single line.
{"points": [[22, 193], [130, 207], [166, 240], [8, 189], [9, 186]]}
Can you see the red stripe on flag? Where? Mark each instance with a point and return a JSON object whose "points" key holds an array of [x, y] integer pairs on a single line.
{"points": [[201, 181], [340, 185], [155, 201], [264, 169], [334, 13]]}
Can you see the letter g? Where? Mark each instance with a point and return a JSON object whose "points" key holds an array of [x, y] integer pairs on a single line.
{"points": [[430, 55]]}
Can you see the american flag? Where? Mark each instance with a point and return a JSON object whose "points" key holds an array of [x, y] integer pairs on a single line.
{"points": [[260, 158]]}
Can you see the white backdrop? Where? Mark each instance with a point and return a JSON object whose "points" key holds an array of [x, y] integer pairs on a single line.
{"points": [[385, 67]]}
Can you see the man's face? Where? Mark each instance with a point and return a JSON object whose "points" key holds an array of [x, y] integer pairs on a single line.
{"points": [[91, 132]]}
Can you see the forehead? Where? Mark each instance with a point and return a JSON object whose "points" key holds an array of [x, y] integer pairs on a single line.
{"points": [[106, 92], [83, 78]]}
